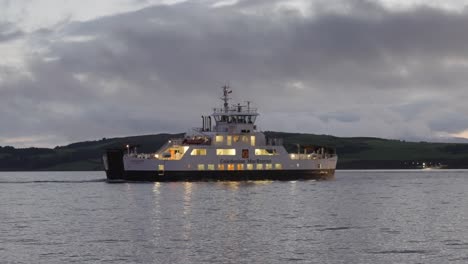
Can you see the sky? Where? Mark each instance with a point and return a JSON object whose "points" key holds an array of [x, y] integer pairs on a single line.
{"points": [[84, 70]]}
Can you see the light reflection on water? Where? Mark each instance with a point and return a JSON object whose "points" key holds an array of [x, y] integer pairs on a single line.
{"points": [[360, 217]]}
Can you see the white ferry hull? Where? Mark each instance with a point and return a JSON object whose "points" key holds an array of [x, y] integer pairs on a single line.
{"points": [[121, 168]]}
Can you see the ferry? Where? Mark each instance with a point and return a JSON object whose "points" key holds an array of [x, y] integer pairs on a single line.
{"points": [[227, 147]]}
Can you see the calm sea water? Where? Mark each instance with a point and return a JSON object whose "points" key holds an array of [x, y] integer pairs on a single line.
{"points": [[361, 217]]}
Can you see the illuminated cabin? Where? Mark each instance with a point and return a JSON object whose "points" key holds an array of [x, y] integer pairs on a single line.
{"points": [[231, 149]]}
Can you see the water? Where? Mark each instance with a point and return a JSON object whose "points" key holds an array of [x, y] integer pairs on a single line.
{"points": [[361, 217]]}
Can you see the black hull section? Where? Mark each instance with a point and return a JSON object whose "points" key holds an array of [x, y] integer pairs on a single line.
{"points": [[192, 176], [115, 171]]}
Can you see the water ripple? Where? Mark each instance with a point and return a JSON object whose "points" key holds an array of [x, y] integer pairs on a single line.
{"points": [[401, 251], [336, 228], [358, 218], [52, 181]]}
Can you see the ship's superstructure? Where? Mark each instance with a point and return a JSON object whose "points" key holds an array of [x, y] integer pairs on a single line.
{"points": [[231, 149]]}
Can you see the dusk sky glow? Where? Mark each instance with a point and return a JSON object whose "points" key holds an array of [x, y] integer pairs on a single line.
{"points": [[83, 70]]}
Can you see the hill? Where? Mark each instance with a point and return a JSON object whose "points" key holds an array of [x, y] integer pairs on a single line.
{"points": [[354, 153]]}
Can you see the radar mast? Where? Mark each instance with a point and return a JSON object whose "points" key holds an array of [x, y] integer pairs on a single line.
{"points": [[225, 98]]}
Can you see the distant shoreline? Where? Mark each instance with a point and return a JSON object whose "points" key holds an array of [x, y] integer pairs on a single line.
{"points": [[358, 153]]}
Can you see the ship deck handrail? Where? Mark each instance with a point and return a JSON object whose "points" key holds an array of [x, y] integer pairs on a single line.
{"points": [[296, 156], [200, 131], [176, 141], [293, 156], [234, 110], [270, 141]]}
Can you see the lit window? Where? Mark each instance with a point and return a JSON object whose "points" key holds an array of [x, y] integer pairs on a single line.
{"points": [[250, 166], [219, 139], [268, 166], [240, 166], [230, 167], [225, 152], [229, 140], [198, 152], [252, 140], [201, 166], [235, 138], [211, 167], [265, 152], [245, 139], [259, 166], [160, 167], [220, 166], [184, 149], [278, 166]]}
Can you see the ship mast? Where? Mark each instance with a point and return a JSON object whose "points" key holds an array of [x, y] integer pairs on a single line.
{"points": [[226, 98], [234, 119]]}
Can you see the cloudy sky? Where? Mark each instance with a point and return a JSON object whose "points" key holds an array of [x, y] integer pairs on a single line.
{"points": [[82, 70]]}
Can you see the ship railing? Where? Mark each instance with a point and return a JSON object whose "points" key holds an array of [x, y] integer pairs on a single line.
{"points": [[274, 141], [175, 141], [141, 155], [200, 131], [311, 156], [171, 142], [201, 139], [235, 109]]}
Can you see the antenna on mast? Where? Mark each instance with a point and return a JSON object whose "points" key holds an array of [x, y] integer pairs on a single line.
{"points": [[225, 98]]}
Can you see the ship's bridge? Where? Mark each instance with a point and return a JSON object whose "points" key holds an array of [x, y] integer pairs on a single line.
{"points": [[235, 118]]}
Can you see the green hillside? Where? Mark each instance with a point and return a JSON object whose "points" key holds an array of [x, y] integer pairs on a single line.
{"points": [[354, 153], [377, 153]]}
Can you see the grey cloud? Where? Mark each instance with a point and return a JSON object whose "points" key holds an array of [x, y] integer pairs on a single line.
{"points": [[9, 32], [159, 68], [393, 51], [417, 109], [451, 122], [341, 117]]}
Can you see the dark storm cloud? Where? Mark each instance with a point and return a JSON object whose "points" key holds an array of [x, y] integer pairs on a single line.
{"points": [[359, 72], [9, 32], [387, 51]]}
